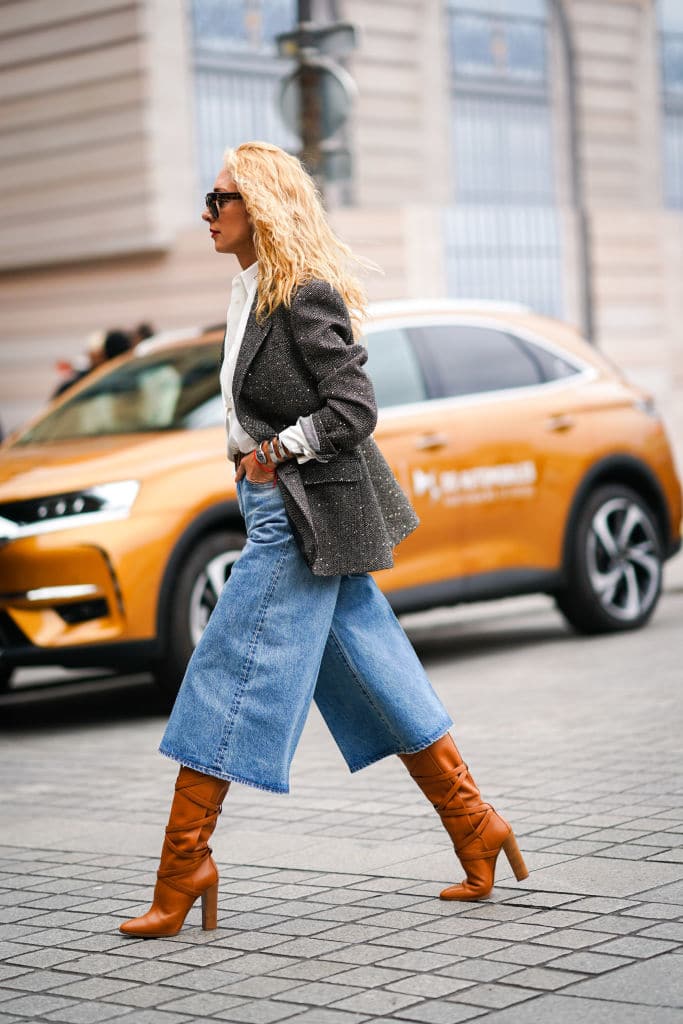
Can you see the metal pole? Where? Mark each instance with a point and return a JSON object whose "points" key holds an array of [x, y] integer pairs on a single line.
{"points": [[311, 107], [583, 224]]}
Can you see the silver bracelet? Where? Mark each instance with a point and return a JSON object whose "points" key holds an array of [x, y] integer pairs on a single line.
{"points": [[273, 454], [286, 454]]}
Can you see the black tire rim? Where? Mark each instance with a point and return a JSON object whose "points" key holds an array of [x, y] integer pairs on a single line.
{"points": [[206, 591], [623, 560]]}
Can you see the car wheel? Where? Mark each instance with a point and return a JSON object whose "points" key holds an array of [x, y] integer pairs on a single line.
{"points": [[614, 568], [195, 592]]}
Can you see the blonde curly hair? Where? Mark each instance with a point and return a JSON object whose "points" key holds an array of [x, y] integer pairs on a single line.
{"points": [[293, 240]]}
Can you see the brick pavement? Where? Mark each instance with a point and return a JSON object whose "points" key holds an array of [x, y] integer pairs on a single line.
{"points": [[327, 911]]}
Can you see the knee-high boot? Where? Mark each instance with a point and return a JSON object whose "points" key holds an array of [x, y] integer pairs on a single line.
{"points": [[187, 869], [477, 831]]}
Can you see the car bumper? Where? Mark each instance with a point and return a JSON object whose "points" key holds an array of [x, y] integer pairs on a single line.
{"points": [[16, 651], [83, 590]]}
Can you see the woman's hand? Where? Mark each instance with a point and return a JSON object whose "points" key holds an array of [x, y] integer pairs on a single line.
{"points": [[250, 468]]}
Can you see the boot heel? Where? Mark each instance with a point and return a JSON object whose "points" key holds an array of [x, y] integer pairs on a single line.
{"points": [[210, 908], [515, 858]]}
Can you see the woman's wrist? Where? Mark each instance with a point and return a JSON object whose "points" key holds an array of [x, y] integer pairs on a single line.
{"points": [[269, 454], [282, 452], [276, 451]]}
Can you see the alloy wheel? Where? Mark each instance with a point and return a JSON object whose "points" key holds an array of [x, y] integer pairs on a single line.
{"points": [[622, 559], [206, 591]]}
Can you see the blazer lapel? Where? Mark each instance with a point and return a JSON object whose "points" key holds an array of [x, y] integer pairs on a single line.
{"points": [[254, 336]]}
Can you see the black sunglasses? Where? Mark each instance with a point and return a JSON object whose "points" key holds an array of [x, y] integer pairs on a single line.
{"points": [[214, 201]]}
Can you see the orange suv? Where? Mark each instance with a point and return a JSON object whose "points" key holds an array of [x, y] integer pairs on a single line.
{"points": [[532, 463]]}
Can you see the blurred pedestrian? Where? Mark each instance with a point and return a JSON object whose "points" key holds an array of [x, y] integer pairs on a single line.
{"points": [[101, 347], [300, 618], [141, 333], [82, 365], [116, 342]]}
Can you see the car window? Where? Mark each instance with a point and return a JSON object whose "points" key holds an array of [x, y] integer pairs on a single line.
{"points": [[175, 389], [464, 359], [553, 366], [394, 369]]}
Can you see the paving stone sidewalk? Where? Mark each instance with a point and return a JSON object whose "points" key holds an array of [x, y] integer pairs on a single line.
{"points": [[328, 910]]}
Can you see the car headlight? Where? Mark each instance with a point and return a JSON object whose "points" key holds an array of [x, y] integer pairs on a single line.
{"points": [[60, 511]]}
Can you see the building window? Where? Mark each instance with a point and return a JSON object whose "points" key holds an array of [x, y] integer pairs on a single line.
{"points": [[671, 49], [498, 42], [237, 74], [502, 232]]}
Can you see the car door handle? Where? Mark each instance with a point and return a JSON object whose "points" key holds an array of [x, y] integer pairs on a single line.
{"points": [[562, 421], [427, 441]]}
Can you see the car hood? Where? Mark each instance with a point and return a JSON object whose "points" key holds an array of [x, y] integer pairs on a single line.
{"points": [[58, 467]]}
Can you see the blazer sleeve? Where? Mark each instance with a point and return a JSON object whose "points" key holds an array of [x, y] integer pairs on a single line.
{"points": [[322, 332]]}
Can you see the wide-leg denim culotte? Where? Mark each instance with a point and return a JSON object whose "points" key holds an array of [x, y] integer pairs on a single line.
{"points": [[280, 637]]}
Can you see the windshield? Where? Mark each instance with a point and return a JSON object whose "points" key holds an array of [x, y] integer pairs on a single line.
{"points": [[177, 389]]}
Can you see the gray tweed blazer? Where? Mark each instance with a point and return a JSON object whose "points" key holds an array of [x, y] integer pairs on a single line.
{"points": [[346, 508]]}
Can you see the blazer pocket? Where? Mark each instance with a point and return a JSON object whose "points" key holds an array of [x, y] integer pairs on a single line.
{"points": [[344, 468], [333, 491]]}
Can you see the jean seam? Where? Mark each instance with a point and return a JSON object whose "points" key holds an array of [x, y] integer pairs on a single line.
{"points": [[352, 669], [249, 660]]}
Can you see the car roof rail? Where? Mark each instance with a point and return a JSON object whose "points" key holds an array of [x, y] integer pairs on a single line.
{"points": [[163, 338], [393, 307]]}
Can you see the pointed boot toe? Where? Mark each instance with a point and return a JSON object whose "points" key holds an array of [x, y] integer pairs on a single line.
{"points": [[169, 909]]}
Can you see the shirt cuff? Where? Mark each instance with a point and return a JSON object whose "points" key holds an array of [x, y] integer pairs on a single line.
{"points": [[294, 439]]}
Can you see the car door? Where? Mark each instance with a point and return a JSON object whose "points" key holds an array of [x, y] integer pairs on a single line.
{"points": [[479, 474], [404, 427]]}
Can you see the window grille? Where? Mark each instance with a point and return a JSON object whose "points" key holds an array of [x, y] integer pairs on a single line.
{"points": [[502, 232], [237, 73], [671, 49]]}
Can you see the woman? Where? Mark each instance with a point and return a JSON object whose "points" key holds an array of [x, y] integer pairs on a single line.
{"points": [[300, 619]]}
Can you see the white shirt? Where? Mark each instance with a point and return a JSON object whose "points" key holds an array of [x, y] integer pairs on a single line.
{"points": [[241, 300]]}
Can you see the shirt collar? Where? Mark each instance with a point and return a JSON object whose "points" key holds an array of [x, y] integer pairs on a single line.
{"points": [[247, 277]]}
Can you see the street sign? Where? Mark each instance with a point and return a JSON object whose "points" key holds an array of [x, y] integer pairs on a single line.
{"points": [[328, 92]]}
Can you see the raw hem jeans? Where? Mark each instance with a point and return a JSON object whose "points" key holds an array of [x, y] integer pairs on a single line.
{"points": [[280, 637]]}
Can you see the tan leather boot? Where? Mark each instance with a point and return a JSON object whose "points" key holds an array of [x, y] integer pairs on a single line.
{"points": [[187, 869], [477, 831]]}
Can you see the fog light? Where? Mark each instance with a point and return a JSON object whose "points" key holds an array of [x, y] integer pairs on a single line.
{"points": [[83, 611]]}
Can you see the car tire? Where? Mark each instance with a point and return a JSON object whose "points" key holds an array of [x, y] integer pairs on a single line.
{"points": [[614, 563], [194, 593]]}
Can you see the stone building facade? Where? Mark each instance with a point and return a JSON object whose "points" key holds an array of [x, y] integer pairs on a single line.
{"points": [[516, 149]]}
